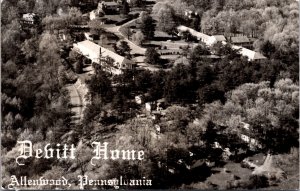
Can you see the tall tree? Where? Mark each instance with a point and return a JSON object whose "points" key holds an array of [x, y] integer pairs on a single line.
{"points": [[95, 27], [11, 38], [148, 26], [166, 20], [196, 23], [268, 48], [138, 38], [79, 66], [126, 31], [125, 8], [100, 86], [152, 56], [50, 59], [124, 49]]}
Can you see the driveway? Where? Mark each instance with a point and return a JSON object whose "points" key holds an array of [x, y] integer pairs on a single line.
{"points": [[135, 49]]}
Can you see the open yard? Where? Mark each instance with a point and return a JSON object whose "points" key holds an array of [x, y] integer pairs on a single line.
{"points": [[290, 164], [229, 172], [234, 171]]}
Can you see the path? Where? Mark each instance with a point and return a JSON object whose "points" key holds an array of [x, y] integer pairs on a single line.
{"points": [[76, 104], [135, 49]]}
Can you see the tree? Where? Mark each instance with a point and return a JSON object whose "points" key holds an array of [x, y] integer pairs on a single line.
{"points": [[218, 5], [75, 12], [196, 23], [180, 85], [195, 132], [157, 81], [74, 56], [148, 26], [138, 38], [271, 115], [166, 21], [208, 94], [268, 48], [100, 84], [9, 12], [104, 39], [141, 80], [124, 49], [126, 31], [50, 59], [43, 8], [79, 66], [221, 49], [119, 103], [258, 181], [187, 36], [11, 37], [29, 49], [152, 56], [197, 52], [95, 27], [125, 8], [179, 115]]}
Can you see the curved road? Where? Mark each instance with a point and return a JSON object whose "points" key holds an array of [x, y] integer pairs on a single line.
{"points": [[135, 49], [76, 103]]}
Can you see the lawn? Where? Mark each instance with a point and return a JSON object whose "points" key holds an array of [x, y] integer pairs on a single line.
{"points": [[290, 164], [227, 173]]}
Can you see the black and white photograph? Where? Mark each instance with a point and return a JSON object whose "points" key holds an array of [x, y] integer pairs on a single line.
{"points": [[149, 95]]}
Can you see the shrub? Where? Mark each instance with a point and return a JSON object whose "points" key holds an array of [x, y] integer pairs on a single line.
{"points": [[258, 181]]}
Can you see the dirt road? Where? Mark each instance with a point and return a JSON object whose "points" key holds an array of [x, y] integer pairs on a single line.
{"points": [[76, 102]]}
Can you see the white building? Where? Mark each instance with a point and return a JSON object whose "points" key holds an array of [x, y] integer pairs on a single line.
{"points": [[93, 52], [210, 40], [250, 54], [200, 36], [28, 18], [216, 38]]}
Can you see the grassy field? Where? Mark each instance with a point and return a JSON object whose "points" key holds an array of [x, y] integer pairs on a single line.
{"points": [[289, 163], [227, 173]]}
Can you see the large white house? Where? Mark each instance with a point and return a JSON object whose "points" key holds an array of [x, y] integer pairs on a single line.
{"points": [[210, 40], [94, 52], [250, 54], [200, 36], [216, 38]]}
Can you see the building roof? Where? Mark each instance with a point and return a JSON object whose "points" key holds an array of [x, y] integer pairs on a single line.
{"points": [[110, 3], [29, 16], [219, 37], [193, 32], [250, 54], [209, 40], [93, 48], [239, 39]]}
